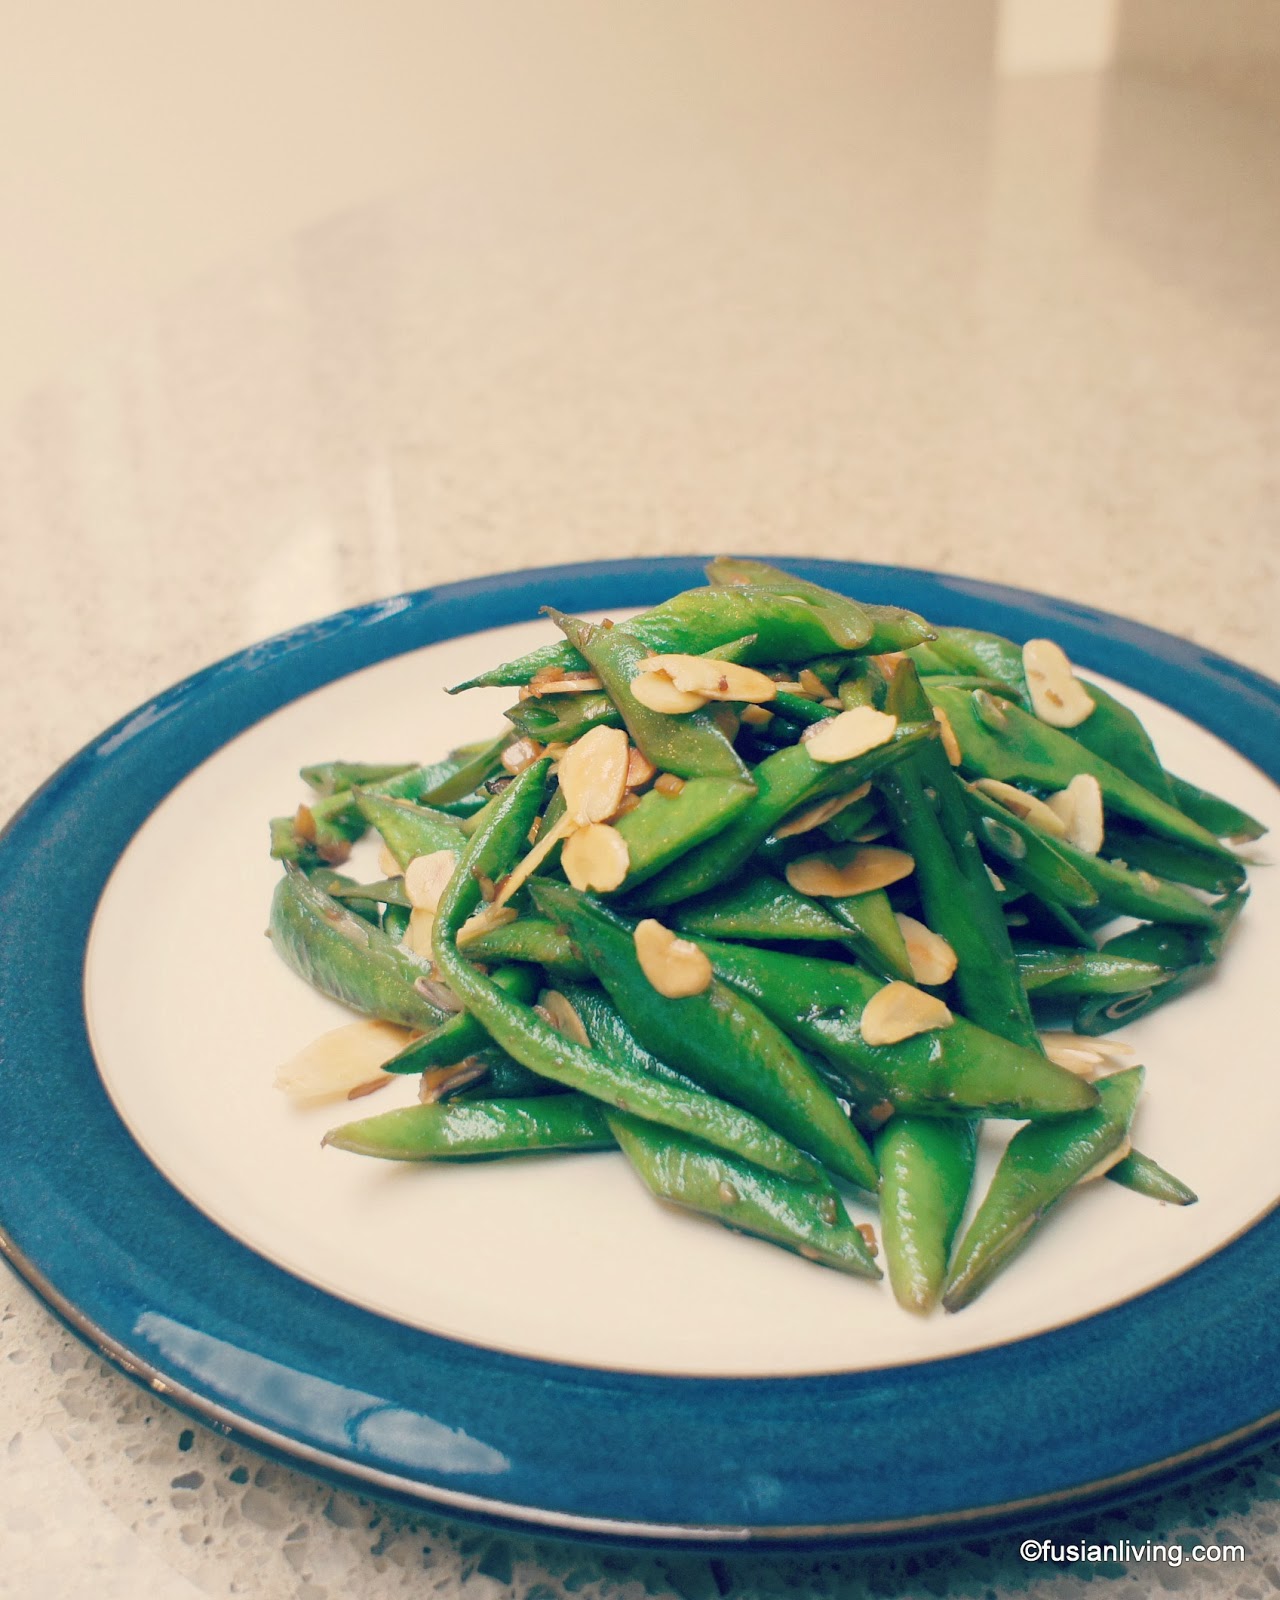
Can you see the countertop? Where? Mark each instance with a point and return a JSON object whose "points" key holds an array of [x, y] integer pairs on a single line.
{"points": [[849, 295]]}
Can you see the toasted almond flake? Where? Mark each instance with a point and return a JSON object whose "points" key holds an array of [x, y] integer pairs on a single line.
{"points": [[552, 680], [889, 661], [1078, 1053], [713, 680], [880, 1112], [485, 921], [593, 774], [1149, 881], [850, 734], [596, 857], [1024, 805], [853, 869], [869, 1238], [388, 866], [559, 1012], [427, 877], [667, 783], [833, 702], [547, 840], [1079, 806], [949, 741], [555, 750], [520, 754], [675, 967], [1057, 695], [304, 824], [869, 835], [630, 801], [437, 1082], [933, 961], [899, 1011], [814, 816], [997, 883], [342, 1060], [812, 685], [419, 932], [656, 691], [790, 686], [640, 770], [1113, 1158], [757, 716]]}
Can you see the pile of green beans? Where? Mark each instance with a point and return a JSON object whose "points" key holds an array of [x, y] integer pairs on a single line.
{"points": [[822, 961]]}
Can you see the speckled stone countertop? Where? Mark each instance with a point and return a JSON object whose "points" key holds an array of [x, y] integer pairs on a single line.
{"points": [[1025, 331]]}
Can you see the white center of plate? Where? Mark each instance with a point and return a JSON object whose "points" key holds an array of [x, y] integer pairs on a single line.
{"points": [[568, 1257]]}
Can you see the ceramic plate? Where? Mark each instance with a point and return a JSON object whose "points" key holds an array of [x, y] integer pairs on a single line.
{"points": [[536, 1341]]}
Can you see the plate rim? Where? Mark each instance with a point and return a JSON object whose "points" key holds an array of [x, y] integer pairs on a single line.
{"points": [[273, 673]]}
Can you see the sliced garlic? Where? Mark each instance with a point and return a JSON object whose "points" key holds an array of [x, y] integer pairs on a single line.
{"points": [[341, 1061], [675, 967], [1057, 695], [933, 961], [899, 1011], [596, 857], [855, 869], [850, 734]]}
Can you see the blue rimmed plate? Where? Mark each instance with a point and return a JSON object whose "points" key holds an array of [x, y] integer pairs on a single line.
{"points": [[536, 1342]]}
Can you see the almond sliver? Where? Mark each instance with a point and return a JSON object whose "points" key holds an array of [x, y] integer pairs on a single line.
{"points": [[1080, 808], [855, 869], [1024, 805], [343, 1059], [593, 774], [713, 680], [1057, 695], [814, 816], [900, 1011], [850, 734], [596, 857], [656, 692], [933, 961], [675, 967]]}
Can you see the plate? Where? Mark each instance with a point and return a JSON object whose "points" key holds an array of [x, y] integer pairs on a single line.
{"points": [[604, 1369]]}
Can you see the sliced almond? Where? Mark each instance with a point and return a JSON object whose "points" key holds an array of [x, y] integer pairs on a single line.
{"points": [[551, 680], [485, 921], [812, 685], [596, 857], [1113, 1158], [1079, 806], [427, 877], [1057, 695], [656, 691], [342, 1060], [419, 932], [640, 770], [854, 869], [1086, 1054], [521, 754], [667, 783], [530, 863], [949, 741], [388, 866], [933, 961], [757, 716], [593, 774], [814, 816], [713, 680], [850, 734], [899, 1011], [673, 966], [1024, 805], [563, 1018]]}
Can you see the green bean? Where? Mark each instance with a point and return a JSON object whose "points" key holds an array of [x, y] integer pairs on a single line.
{"points": [[892, 627], [330, 776], [342, 956], [1218, 817], [926, 1168], [407, 829], [395, 921], [1147, 1177], [532, 939], [958, 1070], [460, 1035], [355, 896], [718, 1038], [562, 718], [970, 653], [690, 1174], [664, 827], [526, 1036], [1053, 970], [787, 779], [692, 746], [1041, 1164], [467, 1129], [1001, 740], [1035, 857], [1146, 853]]}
